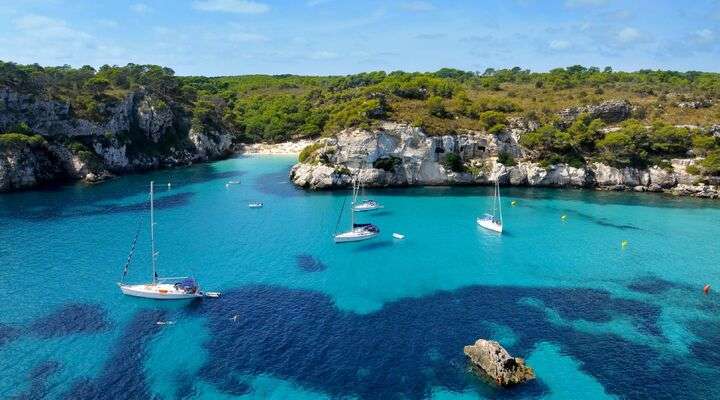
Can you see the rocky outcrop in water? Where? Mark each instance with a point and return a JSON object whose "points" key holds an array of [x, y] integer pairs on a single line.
{"points": [[137, 132], [402, 155], [491, 360]]}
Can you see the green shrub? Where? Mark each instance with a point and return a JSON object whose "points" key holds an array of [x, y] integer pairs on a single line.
{"points": [[436, 108], [387, 163], [711, 163], [453, 162], [308, 151], [8, 140], [497, 129], [506, 159], [489, 119], [693, 170], [702, 144]]}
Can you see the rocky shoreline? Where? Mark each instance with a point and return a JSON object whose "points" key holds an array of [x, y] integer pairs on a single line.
{"points": [[403, 155], [140, 132]]}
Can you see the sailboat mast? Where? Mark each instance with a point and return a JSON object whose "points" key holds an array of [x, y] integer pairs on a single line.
{"points": [[494, 199], [498, 200], [152, 232], [352, 204]]}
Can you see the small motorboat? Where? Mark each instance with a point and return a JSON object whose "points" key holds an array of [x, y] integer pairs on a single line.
{"points": [[233, 182], [398, 236], [255, 205]]}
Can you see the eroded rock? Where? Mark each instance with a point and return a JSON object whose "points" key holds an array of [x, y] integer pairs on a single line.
{"points": [[491, 360]]}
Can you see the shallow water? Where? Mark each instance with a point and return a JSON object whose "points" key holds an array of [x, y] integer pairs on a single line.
{"points": [[302, 317]]}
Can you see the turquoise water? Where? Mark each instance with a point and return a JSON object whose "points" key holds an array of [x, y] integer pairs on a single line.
{"points": [[303, 317]]}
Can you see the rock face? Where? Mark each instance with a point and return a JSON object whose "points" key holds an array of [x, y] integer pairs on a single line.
{"points": [[137, 132], [401, 155], [610, 111], [492, 360], [23, 166]]}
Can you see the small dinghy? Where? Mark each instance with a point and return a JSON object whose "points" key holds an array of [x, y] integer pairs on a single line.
{"points": [[255, 205], [213, 295], [398, 236]]}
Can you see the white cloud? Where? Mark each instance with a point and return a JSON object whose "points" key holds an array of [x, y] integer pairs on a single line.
{"points": [[417, 6], [559, 44], [585, 3], [313, 3], [107, 23], [704, 35], [231, 6], [46, 40], [42, 26], [323, 55], [246, 37], [140, 8], [627, 35]]}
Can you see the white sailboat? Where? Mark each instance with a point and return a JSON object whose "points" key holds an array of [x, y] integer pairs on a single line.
{"points": [[357, 232], [367, 204], [493, 221], [173, 288]]}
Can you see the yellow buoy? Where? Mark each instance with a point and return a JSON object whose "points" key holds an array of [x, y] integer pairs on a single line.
{"points": [[513, 203]]}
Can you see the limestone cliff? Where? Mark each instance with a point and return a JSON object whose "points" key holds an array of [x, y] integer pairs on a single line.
{"points": [[400, 155], [138, 132]]}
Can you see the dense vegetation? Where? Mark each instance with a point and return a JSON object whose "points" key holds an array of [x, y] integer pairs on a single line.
{"points": [[275, 108]]}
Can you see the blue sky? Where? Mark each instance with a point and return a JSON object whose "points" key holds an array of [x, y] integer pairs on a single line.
{"points": [[317, 37]]}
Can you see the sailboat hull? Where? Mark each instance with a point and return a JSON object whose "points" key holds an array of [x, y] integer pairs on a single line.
{"points": [[158, 292], [354, 236], [366, 206], [490, 225]]}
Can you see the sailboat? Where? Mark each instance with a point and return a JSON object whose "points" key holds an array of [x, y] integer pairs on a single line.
{"points": [[357, 232], [173, 288], [493, 221], [367, 204]]}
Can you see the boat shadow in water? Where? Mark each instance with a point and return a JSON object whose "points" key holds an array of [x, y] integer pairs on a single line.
{"points": [[421, 341], [163, 202], [374, 245], [588, 217], [71, 201], [308, 263]]}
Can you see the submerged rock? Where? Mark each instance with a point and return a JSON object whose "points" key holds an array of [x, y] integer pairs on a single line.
{"points": [[490, 359]]}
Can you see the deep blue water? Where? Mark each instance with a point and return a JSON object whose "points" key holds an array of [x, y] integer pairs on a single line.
{"points": [[302, 317]]}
